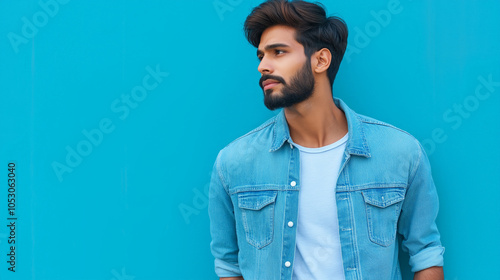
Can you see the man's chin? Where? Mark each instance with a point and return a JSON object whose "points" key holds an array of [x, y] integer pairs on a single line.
{"points": [[271, 91], [273, 108], [273, 103]]}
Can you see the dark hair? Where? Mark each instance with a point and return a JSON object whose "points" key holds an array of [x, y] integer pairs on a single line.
{"points": [[313, 29]]}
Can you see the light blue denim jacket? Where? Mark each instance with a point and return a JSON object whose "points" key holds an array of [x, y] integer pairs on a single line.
{"points": [[384, 188]]}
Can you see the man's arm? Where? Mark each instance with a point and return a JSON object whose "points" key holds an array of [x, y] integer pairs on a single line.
{"points": [[231, 278], [224, 245], [417, 223], [431, 273]]}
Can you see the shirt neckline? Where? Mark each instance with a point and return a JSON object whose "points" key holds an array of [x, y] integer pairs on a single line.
{"points": [[328, 147]]}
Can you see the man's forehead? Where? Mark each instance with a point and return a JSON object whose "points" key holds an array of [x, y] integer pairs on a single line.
{"points": [[278, 34]]}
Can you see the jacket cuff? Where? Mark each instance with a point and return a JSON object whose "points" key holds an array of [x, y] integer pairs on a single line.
{"points": [[428, 257], [225, 269]]}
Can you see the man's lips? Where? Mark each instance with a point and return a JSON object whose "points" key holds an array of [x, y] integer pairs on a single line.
{"points": [[269, 84]]}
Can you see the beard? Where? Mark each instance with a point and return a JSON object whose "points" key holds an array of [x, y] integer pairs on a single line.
{"points": [[300, 88]]}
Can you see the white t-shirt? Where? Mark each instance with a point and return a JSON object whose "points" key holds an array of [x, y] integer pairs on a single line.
{"points": [[317, 252]]}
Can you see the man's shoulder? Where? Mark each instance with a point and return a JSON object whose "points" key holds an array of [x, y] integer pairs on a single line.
{"points": [[259, 136], [388, 135], [369, 121]]}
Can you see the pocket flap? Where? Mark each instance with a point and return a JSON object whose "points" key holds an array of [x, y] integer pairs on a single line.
{"points": [[383, 197], [256, 200]]}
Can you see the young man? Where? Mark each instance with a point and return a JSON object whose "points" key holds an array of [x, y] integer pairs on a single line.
{"points": [[318, 191]]}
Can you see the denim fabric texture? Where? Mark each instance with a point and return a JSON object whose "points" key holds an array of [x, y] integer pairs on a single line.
{"points": [[384, 189]]}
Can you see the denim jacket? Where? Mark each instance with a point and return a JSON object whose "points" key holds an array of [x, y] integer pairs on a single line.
{"points": [[384, 189]]}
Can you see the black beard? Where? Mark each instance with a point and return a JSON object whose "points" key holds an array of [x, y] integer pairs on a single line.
{"points": [[301, 87]]}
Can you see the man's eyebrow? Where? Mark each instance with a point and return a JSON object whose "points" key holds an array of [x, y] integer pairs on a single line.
{"points": [[273, 46]]}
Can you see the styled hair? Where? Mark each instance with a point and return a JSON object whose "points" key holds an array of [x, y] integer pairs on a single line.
{"points": [[313, 29]]}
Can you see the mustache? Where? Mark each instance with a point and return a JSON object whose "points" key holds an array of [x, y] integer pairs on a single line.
{"points": [[266, 77]]}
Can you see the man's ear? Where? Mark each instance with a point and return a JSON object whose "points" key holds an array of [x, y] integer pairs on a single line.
{"points": [[321, 60]]}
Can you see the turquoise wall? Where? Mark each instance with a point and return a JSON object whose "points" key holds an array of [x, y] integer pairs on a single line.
{"points": [[113, 113]]}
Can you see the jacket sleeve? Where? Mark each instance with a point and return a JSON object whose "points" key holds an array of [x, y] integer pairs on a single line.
{"points": [[224, 244], [417, 223]]}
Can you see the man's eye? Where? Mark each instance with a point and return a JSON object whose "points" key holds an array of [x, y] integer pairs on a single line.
{"points": [[275, 51]]}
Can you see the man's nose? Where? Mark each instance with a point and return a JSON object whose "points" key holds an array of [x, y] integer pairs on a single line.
{"points": [[265, 66]]}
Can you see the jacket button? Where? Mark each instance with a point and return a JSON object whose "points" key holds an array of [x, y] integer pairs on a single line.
{"points": [[287, 264], [293, 183], [290, 224]]}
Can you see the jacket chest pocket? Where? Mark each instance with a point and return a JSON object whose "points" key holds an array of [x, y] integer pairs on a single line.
{"points": [[257, 211], [382, 212]]}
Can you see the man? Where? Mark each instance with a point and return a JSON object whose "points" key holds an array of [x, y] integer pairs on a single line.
{"points": [[318, 191]]}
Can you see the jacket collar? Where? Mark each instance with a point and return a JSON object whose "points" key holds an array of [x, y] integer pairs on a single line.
{"points": [[356, 143]]}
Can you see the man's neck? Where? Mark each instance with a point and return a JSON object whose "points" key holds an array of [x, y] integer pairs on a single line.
{"points": [[317, 121]]}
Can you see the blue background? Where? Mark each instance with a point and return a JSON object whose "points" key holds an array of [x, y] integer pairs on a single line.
{"points": [[119, 213]]}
